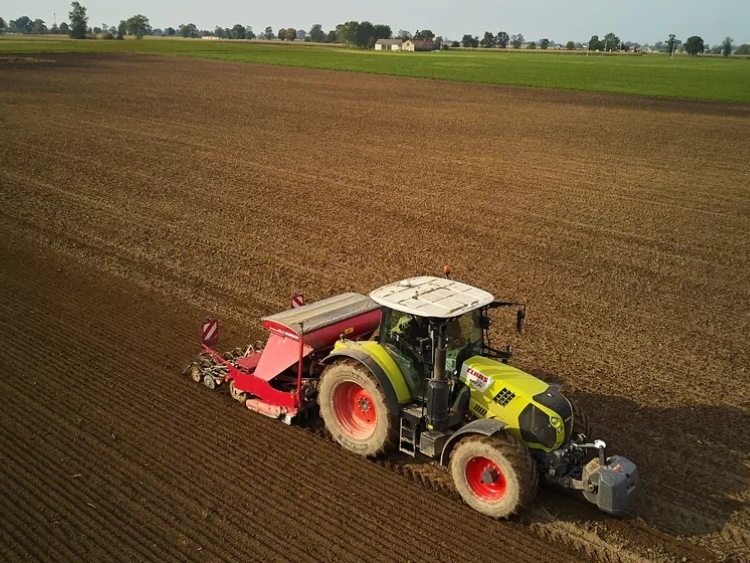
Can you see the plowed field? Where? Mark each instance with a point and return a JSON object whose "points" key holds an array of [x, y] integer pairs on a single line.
{"points": [[138, 194]]}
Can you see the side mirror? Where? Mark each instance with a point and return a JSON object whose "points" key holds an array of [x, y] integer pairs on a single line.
{"points": [[425, 350], [520, 318]]}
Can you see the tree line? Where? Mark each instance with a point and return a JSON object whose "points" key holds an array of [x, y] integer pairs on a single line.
{"points": [[355, 34]]}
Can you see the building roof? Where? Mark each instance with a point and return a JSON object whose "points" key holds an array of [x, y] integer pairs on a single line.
{"points": [[389, 42], [422, 41], [428, 296]]}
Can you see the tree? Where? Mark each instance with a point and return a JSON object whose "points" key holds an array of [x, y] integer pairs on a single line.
{"points": [[268, 34], [122, 30], [358, 34], [38, 27], [502, 39], [570, 46], [249, 33], [24, 24], [671, 43], [382, 31], [332, 36], [544, 43], [186, 30], [531, 45], [78, 21], [64, 28], [219, 32], [365, 31], [595, 44], [138, 25], [743, 49], [3, 25], [53, 30], [169, 32], [403, 34], [439, 43], [317, 34], [694, 45], [424, 35], [455, 44], [238, 31], [345, 31], [726, 46], [487, 41], [517, 40], [281, 34], [611, 42], [470, 41]]}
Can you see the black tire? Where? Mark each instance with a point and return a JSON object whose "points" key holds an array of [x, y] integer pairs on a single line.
{"points": [[581, 424], [355, 411], [494, 475]]}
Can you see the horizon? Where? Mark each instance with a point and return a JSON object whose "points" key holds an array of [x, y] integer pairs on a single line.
{"points": [[546, 18]]}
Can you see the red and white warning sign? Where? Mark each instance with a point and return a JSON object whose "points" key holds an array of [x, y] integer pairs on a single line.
{"points": [[210, 332], [298, 300]]}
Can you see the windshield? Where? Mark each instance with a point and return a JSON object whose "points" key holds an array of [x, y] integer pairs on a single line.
{"points": [[465, 330], [464, 339]]}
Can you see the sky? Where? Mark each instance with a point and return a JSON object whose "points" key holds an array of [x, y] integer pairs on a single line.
{"points": [[642, 21]]}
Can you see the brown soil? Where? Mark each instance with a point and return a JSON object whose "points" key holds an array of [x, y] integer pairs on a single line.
{"points": [[138, 194]]}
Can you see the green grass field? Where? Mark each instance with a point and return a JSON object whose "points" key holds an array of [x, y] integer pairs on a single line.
{"points": [[703, 78]]}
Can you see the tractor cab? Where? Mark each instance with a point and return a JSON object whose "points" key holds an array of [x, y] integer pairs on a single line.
{"points": [[420, 315], [409, 339]]}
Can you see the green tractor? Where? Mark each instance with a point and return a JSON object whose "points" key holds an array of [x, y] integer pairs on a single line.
{"points": [[430, 384]]}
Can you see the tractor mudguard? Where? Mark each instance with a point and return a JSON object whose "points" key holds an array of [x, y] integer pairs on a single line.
{"points": [[392, 382], [483, 426]]}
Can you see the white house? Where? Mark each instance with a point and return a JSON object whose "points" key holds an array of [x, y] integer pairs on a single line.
{"points": [[388, 44]]}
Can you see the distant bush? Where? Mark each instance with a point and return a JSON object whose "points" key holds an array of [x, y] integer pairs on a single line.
{"points": [[107, 36]]}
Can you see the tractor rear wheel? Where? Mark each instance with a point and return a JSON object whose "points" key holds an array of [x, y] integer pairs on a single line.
{"points": [[494, 475], [355, 410]]}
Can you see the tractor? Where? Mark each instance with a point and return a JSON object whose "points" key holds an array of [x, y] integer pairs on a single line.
{"points": [[411, 369]]}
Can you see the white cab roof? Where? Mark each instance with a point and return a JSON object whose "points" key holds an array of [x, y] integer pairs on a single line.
{"points": [[428, 296]]}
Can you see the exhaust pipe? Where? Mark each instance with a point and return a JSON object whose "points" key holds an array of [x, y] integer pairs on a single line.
{"points": [[438, 392]]}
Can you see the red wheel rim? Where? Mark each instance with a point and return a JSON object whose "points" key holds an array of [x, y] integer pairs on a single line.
{"points": [[485, 479], [354, 409]]}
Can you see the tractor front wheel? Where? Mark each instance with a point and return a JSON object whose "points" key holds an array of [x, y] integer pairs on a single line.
{"points": [[494, 475], [355, 410]]}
